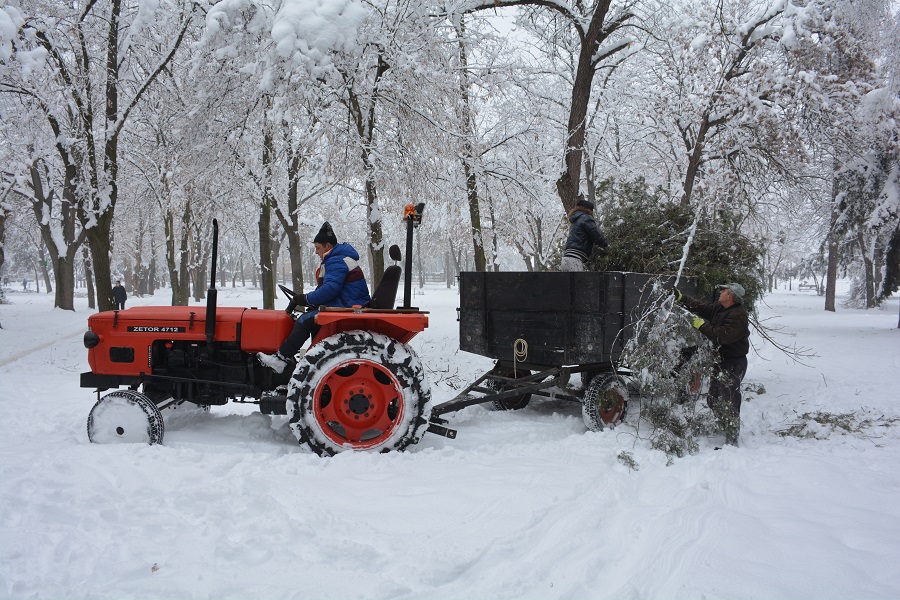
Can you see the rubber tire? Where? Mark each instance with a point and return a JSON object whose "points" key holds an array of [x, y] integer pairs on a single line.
{"points": [[514, 403], [605, 402], [385, 367], [124, 417], [697, 386]]}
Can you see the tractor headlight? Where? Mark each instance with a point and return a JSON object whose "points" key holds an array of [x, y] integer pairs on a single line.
{"points": [[91, 339]]}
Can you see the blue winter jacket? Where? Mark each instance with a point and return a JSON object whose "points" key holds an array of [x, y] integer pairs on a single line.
{"points": [[341, 280]]}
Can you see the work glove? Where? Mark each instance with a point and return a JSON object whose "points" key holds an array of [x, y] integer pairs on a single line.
{"points": [[697, 322], [297, 300], [677, 293]]}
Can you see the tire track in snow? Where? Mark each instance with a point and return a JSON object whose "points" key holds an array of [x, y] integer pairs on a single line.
{"points": [[42, 346]]}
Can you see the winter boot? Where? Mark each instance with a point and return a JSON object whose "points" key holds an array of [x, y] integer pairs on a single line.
{"points": [[275, 361]]}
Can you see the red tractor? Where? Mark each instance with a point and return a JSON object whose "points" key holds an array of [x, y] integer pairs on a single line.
{"points": [[358, 387]]}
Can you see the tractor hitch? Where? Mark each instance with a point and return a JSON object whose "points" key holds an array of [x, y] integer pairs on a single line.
{"points": [[441, 430]]}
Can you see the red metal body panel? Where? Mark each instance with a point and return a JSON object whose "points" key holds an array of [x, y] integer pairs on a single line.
{"points": [[402, 326], [264, 330], [139, 327]]}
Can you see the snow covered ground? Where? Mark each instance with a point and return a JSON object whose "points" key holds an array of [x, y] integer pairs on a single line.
{"points": [[523, 504]]}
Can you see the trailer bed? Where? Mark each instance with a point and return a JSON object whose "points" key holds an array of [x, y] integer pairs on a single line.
{"points": [[562, 318]]}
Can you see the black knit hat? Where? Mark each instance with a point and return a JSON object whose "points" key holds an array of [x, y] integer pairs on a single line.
{"points": [[585, 204], [326, 235]]}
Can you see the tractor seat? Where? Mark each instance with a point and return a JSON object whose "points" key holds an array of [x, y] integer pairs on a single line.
{"points": [[384, 295]]}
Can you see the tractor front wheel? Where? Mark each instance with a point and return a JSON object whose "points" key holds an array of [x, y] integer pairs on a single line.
{"points": [[359, 390], [125, 416]]}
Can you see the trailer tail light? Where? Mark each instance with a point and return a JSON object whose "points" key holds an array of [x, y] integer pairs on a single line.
{"points": [[91, 339]]}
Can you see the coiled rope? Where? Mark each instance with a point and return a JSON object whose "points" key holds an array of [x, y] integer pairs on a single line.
{"points": [[520, 353]]}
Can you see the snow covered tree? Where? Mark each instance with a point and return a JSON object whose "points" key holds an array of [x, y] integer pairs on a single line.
{"points": [[599, 26], [850, 115], [85, 67]]}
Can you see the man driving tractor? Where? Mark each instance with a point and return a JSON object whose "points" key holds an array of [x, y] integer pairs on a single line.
{"points": [[339, 282]]}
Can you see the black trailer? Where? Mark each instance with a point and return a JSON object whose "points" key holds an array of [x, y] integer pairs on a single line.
{"points": [[542, 328]]}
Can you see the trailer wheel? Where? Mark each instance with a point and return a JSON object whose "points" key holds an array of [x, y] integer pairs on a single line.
{"points": [[125, 416], [359, 390], [696, 386], [513, 403], [605, 401]]}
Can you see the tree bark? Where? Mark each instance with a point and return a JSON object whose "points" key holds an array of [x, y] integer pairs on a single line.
{"points": [[694, 161], [869, 279], [98, 239], [365, 128], [832, 246], [468, 153], [88, 277], [267, 275], [177, 260], [290, 222]]}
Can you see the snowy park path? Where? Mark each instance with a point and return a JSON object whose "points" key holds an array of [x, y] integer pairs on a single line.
{"points": [[522, 504]]}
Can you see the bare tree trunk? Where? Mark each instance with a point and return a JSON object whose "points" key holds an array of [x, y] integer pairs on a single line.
{"points": [[526, 256], [266, 266], [200, 253], [291, 223], [2, 236], [365, 128], [468, 153], [869, 278], [177, 260], [419, 262], [88, 277], [448, 270], [832, 243], [98, 239], [44, 272], [62, 258]]}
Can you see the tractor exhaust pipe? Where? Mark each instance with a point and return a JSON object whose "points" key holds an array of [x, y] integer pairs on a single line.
{"points": [[413, 216], [211, 293]]}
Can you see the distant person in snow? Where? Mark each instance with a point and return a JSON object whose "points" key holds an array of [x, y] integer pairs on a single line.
{"points": [[583, 236], [725, 323], [25, 284], [119, 295], [339, 282]]}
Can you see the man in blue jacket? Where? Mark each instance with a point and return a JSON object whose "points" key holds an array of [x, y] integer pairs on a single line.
{"points": [[583, 236], [340, 282]]}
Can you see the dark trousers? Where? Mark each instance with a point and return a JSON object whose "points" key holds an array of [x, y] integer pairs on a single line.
{"points": [[304, 328], [120, 305], [724, 397]]}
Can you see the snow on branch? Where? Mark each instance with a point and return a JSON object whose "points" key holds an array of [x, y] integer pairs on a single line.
{"points": [[308, 31], [10, 22], [626, 44], [470, 6]]}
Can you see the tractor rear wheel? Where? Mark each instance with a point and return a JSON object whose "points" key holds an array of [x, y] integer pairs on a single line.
{"points": [[125, 416], [359, 390], [605, 401]]}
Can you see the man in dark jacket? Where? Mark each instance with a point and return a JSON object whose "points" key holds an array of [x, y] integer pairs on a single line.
{"points": [[119, 296], [725, 323], [583, 235], [340, 282]]}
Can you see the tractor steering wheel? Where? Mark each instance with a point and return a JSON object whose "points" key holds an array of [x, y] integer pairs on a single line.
{"points": [[292, 299]]}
